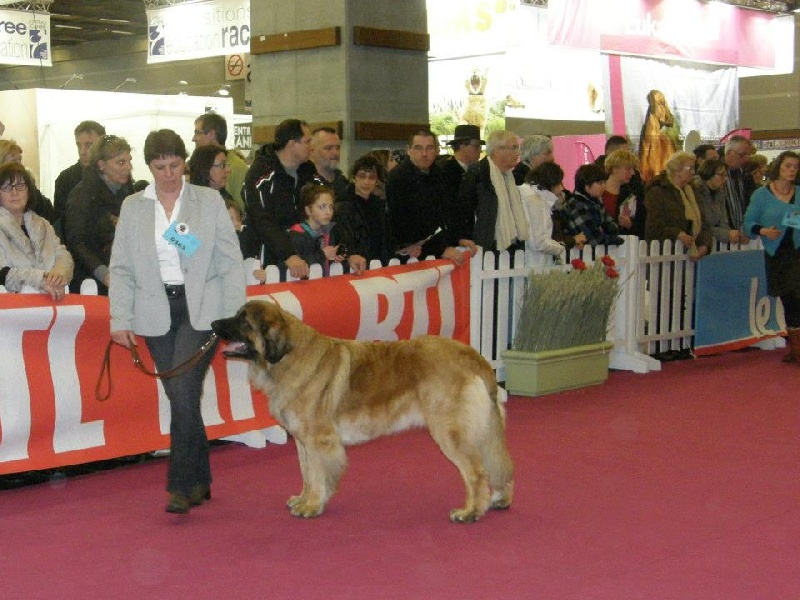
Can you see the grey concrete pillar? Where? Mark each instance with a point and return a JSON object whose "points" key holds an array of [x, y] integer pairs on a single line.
{"points": [[357, 64]]}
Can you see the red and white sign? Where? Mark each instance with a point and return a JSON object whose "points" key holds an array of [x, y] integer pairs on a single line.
{"points": [[708, 32], [51, 354]]}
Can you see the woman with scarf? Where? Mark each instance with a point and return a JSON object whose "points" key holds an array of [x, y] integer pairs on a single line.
{"points": [[542, 192], [92, 211], [673, 212]]}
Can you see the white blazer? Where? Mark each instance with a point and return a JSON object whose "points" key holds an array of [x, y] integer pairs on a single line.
{"points": [[213, 275]]}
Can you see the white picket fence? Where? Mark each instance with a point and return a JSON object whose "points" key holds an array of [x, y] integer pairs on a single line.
{"points": [[653, 314]]}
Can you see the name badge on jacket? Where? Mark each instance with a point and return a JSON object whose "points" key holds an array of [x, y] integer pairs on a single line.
{"points": [[179, 236], [792, 219]]}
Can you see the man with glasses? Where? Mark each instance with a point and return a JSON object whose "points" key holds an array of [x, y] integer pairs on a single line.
{"points": [[211, 128], [271, 192], [416, 197], [489, 199], [737, 151]]}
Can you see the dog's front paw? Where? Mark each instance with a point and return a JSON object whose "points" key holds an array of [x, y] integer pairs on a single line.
{"points": [[300, 507], [461, 515]]}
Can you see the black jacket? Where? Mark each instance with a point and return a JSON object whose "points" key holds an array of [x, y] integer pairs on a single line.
{"points": [[417, 210], [90, 222], [65, 183], [271, 200], [361, 226]]}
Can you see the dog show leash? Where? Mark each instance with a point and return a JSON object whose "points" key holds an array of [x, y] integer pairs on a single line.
{"points": [[105, 369]]}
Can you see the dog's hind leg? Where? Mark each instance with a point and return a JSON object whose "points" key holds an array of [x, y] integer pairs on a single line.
{"points": [[467, 458], [322, 463], [498, 464]]}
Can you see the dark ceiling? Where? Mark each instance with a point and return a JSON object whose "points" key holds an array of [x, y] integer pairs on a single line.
{"points": [[78, 21]]}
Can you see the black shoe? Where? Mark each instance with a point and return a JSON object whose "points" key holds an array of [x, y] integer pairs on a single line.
{"points": [[199, 494], [178, 504]]}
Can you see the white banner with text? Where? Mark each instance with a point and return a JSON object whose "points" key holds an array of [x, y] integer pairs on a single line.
{"points": [[25, 38], [198, 30]]}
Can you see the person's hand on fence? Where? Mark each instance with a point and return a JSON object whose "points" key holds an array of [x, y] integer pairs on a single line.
{"points": [[456, 255], [298, 268], [686, 239], [358, 264], [468, 245]]}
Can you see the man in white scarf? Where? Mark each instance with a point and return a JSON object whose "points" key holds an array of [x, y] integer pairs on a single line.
{"points": [[490, 193]]}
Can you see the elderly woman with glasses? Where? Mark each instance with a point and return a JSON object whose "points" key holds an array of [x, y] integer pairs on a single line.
{"points": [[32, 257], [93, 210], [673, 212]]}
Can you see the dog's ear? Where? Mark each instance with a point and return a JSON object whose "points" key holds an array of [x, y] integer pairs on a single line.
{"points": [[276, 340]]}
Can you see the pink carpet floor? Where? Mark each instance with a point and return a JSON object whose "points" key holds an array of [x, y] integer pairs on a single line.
{"points": [[681, 484]]}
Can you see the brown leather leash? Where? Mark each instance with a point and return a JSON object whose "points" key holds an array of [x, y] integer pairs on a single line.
{"points": [[105, 369]]}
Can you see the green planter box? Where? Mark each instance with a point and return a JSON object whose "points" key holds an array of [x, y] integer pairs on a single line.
{"points": [[537, 373]]}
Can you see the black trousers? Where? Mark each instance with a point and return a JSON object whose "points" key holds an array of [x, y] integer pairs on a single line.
{"points": [[188, 461]]}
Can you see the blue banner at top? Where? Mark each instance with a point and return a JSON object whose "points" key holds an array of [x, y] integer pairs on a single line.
{"points": [[732, 308]]}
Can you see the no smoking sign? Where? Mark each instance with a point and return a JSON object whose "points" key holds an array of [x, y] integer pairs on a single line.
{"points": [[235, 66]]}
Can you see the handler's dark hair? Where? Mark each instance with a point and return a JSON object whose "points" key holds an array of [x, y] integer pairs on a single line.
{"points": [[163, 143]]}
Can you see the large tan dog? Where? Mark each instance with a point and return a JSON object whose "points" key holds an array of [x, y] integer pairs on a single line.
{"points": [[328, 393]]}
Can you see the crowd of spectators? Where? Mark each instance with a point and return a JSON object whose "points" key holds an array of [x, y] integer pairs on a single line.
{"points": [[502, 193]]}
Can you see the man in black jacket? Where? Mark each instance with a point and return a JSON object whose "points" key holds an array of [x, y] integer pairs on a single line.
{"points": [[86, 134], [271, 191], [416, 201]]}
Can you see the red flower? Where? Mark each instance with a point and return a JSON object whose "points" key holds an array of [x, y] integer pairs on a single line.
{"points": [[578, 264], [612, 272], [608, 261]]}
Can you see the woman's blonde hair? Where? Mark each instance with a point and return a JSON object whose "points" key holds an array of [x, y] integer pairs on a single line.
{"points": [[620, 158], [106, 148]]}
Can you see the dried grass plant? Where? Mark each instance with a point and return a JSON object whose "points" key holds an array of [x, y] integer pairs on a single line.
{"points": [[566, 308]]}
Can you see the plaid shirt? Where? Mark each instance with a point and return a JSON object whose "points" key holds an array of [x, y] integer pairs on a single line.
{"points": [[587, 216]]}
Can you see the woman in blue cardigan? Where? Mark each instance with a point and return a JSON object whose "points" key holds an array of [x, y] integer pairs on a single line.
{"points": [[774, 214]]}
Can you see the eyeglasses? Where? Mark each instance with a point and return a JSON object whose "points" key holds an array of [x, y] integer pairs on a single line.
{"points": [[222, 165], [200, 132], [20, 186], [420, 148], [514, 148]]}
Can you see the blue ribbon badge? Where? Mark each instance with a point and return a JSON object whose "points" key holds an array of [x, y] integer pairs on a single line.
{"points": [[792, 218], [178, 235]]}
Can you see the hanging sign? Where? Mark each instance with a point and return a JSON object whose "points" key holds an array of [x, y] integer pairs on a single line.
{"points": [[25, 38], [198, 30]]}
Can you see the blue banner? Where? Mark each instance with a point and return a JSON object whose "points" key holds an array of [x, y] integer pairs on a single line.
{"points": [[732, 308]]}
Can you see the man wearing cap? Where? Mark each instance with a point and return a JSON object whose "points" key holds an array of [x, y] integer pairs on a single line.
{"points": [[466, 145]]}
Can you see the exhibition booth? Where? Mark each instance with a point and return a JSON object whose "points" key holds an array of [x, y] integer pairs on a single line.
{"points": [[42, 123]]}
